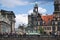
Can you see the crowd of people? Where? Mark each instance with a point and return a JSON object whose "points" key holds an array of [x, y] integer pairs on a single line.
{"points": [[17, 35], [10, 35]]}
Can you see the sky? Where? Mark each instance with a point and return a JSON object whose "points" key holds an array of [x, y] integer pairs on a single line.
{"points": [[22, 8]]}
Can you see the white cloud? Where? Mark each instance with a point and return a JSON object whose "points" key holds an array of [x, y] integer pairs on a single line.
{"points": [[40, 10], [13, 3], [21, 19]]}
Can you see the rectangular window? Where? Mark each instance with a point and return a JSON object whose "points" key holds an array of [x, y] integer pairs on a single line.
{"points": [[53, 28], [56, 8], [53, 23], [58, 28], [58, 23], [48, 28]]}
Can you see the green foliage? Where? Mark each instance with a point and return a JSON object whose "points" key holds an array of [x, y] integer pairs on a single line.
{"points": [[41, 30]]}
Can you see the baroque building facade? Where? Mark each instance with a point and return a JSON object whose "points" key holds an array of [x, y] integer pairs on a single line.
{"points": [[56, 18], [47, 25], [7, 21], [20, 30], [35, 20]]}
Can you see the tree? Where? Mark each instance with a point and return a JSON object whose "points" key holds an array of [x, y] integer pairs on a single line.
{"points": [[41, 30]]}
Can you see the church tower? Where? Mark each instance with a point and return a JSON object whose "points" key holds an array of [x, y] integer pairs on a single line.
{"points": [[57, 7], [56, 14], [35, 8], [35, 20]]}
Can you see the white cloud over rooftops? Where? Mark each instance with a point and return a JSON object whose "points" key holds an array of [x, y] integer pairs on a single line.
{"points": [[21, 19], [40, 10]]}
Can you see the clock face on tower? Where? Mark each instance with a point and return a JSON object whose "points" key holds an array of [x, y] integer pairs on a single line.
{"points": [[36, 10]]}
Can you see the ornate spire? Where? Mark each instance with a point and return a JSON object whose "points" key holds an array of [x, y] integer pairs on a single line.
{"points": [[36, 4], [35, 7]]}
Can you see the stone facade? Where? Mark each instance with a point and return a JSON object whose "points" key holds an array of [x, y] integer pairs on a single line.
{"points": [[34, 20], [50, 27], [7, 21], [20, 30], [56, 19]]}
